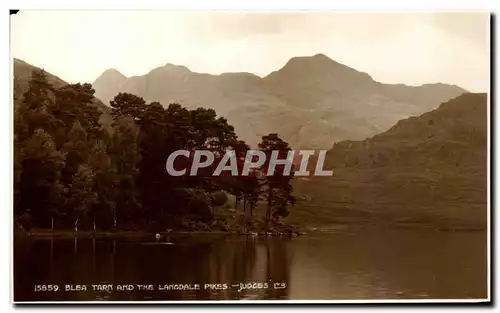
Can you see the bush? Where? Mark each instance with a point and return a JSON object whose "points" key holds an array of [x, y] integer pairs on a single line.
{"points": [[219, 198], [197, 205]]}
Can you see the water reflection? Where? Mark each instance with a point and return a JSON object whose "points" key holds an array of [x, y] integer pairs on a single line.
{"points": [[89, 262], [359, 265]]}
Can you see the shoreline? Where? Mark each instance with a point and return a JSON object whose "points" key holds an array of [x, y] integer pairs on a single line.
{"points": [[137, 234], [64, 234], [44, 233]]}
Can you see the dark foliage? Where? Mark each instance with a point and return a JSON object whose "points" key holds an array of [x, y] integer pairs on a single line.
{"points": [[72, 172]]}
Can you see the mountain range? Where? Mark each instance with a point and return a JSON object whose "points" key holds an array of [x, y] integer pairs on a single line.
{"points": [[312, 102], [428, 167]]}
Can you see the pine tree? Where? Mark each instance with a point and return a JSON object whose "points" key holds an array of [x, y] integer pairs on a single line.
{"points": [[278, 184], [32, 111], [126, 104], [74, 103]]}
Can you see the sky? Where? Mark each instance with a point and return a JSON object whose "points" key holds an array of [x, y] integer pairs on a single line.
{"points": [[408, 48]]}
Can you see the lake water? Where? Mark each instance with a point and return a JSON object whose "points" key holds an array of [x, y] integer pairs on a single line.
{"points": [[342, 265]]}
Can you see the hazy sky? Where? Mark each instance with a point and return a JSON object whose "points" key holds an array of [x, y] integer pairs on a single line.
{"points": [[410, 48]]}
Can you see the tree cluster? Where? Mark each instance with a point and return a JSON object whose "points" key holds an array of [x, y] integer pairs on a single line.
{"points": [[71, 172]]}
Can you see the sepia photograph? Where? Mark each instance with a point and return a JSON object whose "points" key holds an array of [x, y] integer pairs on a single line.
{"points": [[185, 156]]}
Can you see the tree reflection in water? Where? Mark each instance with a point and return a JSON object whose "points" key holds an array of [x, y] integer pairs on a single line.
{"points": [[228, 261], [388, 264]]}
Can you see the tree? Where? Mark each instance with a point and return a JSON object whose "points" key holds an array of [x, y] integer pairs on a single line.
{"points": [[125, 157], [18, 94], [204, 125], [155, 143], [66, 164], [81, 196], [223, 135], [32, 112], [74, 103], [278, 184], [251, 189], [76, 150], [126, 104], [18, 168], [180, 132], [39, 188], [103, 183]]}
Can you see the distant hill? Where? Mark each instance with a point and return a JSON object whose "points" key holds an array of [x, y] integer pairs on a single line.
{"points": [[311, 102], [23, 70], [111, 78], [240, 97], [430, 169], [22, 75]]}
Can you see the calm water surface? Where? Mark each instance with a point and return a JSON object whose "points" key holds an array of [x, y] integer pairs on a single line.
{"points": [[395, 264]]}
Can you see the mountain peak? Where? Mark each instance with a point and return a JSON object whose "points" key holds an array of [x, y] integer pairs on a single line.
{"points": [[442, 85], [170, 69], [108, 84], [315, 59], [110, 75], [321, 56], [113, 71], [178, 68], [320, 65]]}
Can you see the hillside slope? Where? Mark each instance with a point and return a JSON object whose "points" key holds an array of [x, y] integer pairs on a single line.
{"points": [[430, 169], [22, 75], [311, 102]]}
